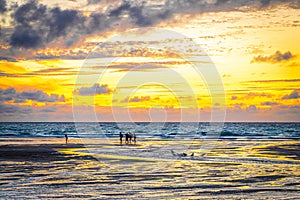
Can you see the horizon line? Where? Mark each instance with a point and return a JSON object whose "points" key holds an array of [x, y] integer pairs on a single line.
{"points": [[149, 122]]}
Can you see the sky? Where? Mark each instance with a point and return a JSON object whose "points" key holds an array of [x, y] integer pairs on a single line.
{"points": [[167, 60]]}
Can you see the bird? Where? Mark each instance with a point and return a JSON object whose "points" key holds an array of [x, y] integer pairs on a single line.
{"points": [[183, 154], [179, 154]]}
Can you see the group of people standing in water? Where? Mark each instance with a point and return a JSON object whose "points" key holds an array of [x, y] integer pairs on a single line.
{"points": [[129, 137]]}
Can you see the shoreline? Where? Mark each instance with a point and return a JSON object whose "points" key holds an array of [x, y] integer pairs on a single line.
{"points": [[55, 148], [48, 168]]}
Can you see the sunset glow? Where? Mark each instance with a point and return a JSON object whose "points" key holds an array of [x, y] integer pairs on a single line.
{"points": [[50, 58]]}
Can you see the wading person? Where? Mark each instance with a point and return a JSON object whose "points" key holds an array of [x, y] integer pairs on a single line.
{"points": [[126, 138], [66, 137], [130, 137], [121, 137], [134, 138]]}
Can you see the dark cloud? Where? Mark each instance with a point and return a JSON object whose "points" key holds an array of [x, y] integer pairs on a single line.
{"points": [[116, 12], [71, 54], [265, 3], [34, 95], [29, 13], [9, 109], [94, 1], [140, 99], [25, 37], [252, 109], [8, 59], [269, 103], [38, 95], [275, 58], [293, 95], [3, 6], [61, 21], [140, 15], [141, 19], [49, 109], [137, 99], [97, 22], [200, 6], [36, 25], [7, 95], [94, 90]]}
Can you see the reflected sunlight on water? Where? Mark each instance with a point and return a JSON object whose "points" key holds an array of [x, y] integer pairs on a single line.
{"points": [[234, 169]]}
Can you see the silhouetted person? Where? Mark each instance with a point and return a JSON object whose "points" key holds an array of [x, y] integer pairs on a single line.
{"points": [[134, 138], [66, 136], [130, 137], [126, 137], [121, 137]]}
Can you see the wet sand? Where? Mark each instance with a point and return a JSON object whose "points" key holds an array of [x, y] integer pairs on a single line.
{"points": [[46, 168]]}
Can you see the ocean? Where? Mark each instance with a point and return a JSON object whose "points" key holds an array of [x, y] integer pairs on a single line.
{"points": [[149, 130]]}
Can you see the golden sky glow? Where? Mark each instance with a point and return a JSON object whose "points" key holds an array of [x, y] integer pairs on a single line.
{"points": [[138, 74]]}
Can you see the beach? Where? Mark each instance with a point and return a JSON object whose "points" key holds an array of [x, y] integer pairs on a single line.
{"points": [[46, 168], [136, 99]]}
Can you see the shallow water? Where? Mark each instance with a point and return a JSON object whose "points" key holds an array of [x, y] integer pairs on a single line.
{"points": [[230, 169]]}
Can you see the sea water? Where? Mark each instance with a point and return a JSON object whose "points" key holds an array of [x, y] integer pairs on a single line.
{"points": [[146, 130]]}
